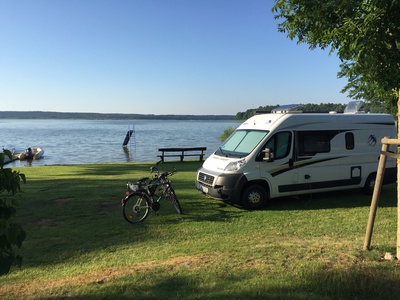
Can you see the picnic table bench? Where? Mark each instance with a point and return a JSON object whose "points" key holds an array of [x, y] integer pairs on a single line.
{"points": [[182, 152]]}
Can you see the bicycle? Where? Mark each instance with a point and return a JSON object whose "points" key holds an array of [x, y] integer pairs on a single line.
{"points": [[147, 194]]}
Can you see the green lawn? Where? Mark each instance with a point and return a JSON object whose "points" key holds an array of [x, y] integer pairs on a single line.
{"points": [[79, 246]]}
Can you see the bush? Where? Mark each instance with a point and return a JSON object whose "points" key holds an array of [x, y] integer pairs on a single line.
{"points": [[226, 134], [11, 234]]}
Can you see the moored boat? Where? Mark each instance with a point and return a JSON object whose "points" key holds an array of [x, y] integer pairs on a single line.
{"points": [[31, 153]]}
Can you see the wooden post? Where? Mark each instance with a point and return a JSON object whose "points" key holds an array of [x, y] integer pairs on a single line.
{"points": [[162, 156], [398, 182], [376, 194]]}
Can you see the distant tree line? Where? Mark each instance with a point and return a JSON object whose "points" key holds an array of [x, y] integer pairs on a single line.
{"points": [[105, 116], [306, 108], [317, 108]]}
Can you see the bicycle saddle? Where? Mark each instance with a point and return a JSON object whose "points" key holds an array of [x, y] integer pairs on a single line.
{"points": [[141, 180]]}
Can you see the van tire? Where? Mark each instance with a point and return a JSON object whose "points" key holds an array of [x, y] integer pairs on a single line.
{"points": [[254, 197], [369, 184]]}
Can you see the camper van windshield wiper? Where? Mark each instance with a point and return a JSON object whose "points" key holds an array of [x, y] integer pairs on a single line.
{"points": [[227, 153], [222, 151]]}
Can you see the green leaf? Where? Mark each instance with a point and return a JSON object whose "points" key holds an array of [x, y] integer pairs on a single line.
{"points": [[11, 234]]}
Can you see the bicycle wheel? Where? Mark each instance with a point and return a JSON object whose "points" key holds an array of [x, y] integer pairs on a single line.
{"points": [[174, 200], [136, 207]]}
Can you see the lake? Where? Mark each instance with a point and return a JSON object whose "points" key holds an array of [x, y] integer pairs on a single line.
{"points": [[99, 141]]}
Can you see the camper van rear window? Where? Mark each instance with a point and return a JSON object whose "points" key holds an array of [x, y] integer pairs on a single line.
{"points": [[313, 142], [242, 142]]}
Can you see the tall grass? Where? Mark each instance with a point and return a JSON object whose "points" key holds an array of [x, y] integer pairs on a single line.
{"points": [[226, 134], [79, 245]]}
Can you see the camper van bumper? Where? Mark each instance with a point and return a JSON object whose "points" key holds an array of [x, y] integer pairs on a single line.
{"points": [[222, 187]]}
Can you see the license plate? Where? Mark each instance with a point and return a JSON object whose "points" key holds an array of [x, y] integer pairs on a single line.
{"points": [[204, 189]]}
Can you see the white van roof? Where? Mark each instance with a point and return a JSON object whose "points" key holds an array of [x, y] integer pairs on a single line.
{"points": [[316, 121]]}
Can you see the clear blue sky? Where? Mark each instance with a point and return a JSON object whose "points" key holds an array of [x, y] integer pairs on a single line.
{"points": [[155, 57]]}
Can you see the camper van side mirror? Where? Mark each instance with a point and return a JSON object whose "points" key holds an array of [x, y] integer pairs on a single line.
{"points": [[268, 155]]}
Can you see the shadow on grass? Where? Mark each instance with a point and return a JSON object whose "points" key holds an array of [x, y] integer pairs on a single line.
{"points": [[358, 282], [209, 210], [128, 168], [337, 199]]}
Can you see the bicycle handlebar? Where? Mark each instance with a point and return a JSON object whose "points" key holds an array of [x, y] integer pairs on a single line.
{"points": [[154, 169], [166, 174]]}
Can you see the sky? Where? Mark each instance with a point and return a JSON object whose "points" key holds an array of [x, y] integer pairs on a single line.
{"points": [[196, 57]]}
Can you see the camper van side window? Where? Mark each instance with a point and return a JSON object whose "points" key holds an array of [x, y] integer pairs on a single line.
{"points": [[280, 144], [349, 140], [313, 142]]}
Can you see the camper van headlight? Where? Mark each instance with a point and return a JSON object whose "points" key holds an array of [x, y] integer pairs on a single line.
{"points": [[235, 165]]}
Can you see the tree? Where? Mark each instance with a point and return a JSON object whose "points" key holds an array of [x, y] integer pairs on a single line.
{"points": [[364, 34], [11, 233], [306, 108]]}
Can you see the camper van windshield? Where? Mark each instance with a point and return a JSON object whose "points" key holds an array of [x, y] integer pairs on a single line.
{"points": [[241, 143]]}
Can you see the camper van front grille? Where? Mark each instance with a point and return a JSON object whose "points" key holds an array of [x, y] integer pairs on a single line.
{"points": [[205, 178]]}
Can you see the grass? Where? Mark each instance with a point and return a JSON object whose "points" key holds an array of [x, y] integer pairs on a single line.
{"points": [[79, 246], [227, 133]]}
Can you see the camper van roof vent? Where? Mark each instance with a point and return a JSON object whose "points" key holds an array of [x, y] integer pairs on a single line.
{"points": [[353, 107], [287, 109]]}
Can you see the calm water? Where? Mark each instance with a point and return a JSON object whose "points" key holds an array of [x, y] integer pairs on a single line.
{"points": [[97, 141]]}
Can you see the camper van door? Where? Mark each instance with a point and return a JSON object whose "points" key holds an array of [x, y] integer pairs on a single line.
{"points": [[280, 170]]}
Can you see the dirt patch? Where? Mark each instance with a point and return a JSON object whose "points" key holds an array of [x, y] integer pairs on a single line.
{"points": [[28, 289], [62, 201]]}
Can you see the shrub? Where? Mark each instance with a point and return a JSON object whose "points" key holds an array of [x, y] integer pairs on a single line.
{"points": [[226, 134], [11, 234]]}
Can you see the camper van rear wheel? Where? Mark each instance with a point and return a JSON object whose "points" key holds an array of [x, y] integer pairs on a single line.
{"points": [[369, 184], [254, 197]]}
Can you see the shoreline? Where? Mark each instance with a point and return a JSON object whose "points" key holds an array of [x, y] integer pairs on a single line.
{"points": [[107, 116]]}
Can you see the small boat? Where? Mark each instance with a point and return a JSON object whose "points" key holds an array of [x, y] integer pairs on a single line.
{"points": [[31, 153]]}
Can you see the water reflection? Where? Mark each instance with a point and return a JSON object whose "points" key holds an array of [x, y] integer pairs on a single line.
{"points": [[129, 153]]}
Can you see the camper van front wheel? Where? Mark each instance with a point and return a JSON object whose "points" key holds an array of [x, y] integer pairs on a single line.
{"points": [[369, 184], [254, 197]]}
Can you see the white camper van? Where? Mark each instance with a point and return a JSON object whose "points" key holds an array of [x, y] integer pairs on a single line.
{"points": [[287, 152]]}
